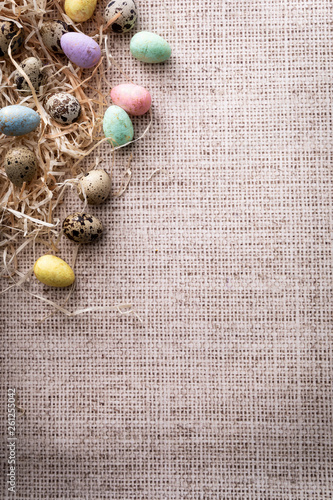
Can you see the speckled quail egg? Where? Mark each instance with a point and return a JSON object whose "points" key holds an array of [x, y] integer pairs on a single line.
{"points": [[96, 186], [82, 228], [20, 165], [8, 29], [128, 16], [63, 108], [33, 67], [51, 32]]}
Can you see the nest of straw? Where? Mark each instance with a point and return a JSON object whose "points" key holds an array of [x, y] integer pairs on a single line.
{"points": [[29, 212]]}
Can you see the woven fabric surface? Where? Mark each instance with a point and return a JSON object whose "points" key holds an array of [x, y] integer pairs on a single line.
{"points": [[224, 390]]}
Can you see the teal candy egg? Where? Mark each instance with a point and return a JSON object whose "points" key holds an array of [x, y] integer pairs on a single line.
{"points": [[149, 47], [18, 120], [117, 126]]}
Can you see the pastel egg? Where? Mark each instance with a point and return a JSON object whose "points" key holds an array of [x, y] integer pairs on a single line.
{"points": [[51, 33], [18, 120], [33, 67], [82, 227], [53, 271], [9, 30], [149, 47], [128, 17], [20, 165], [95, 186], [80, 10], [134, 99], [117, 126], [81, 49], [63, 108]]}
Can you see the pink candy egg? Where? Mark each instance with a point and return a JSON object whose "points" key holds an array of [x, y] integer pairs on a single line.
{"points": [[135, 100], [80, 49]]}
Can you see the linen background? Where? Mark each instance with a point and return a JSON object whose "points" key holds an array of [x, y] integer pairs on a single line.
{"points": [[224, 391]]}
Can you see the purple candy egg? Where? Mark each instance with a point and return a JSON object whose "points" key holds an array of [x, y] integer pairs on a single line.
{"points": [[80, 49]]}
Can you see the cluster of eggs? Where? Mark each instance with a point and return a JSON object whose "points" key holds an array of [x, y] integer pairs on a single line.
{"points": [[128, 100]]}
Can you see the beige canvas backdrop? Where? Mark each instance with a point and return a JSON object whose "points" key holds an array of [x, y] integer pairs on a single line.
{"points": [[224, 391]]}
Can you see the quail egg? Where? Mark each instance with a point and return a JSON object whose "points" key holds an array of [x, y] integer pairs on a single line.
{"points": [[82, 228], [128, 17], [20, 165], [33, 67], [96, 186], [63, 108], [8, 29], [51, 32]]}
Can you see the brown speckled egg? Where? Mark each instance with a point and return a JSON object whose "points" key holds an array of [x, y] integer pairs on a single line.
{"points": [[51, 32], [128, 16], [96, 185], [8, 29], [63, 108], [82, 228], [33, 67], [20, 165]]}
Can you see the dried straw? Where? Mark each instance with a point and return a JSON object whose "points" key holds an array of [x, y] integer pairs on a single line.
{"points": [[29, 211], [27, 214]]}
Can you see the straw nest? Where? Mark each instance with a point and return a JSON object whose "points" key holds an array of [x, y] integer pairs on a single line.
{"points": [[28, 212]]}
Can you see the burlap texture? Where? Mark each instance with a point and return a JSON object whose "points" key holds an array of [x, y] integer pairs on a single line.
{"points": [[224, 391]]}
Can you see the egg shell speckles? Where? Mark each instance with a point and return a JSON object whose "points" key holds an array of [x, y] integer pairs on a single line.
{"points": [[51, 33], [149, 47], [117, 126], [63, 108], [134, 99], [80, 10], [96, 185], [33, 67], [128, 16], [82, 228], [81, 49], [20, 165], [8, 29], [18, 120], [53, 271]]}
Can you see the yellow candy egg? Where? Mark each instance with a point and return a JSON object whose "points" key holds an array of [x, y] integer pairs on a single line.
{"points": [[80, 10], [53, 271]]}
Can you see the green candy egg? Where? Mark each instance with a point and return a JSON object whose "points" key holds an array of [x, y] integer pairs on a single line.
{"points": [[117, 126], [149, 47]]}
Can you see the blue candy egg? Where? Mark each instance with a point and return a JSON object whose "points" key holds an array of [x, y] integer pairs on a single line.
{"points": [[117, 126], [18, 120], [149, 47]]}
